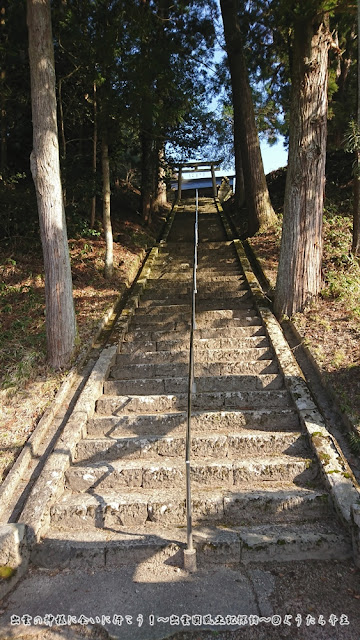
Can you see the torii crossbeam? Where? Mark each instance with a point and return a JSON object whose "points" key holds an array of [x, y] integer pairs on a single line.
{"points": [[190, 167]]}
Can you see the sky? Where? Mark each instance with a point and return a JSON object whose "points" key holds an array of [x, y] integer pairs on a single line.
{"points": [[273, 157]]}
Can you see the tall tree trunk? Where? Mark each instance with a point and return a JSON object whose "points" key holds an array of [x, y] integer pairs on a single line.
{"points": [[63, 140], [147, 165], [299, 273], [45, 167], [356, 210], [160, 199], [109, 257], [93, 199], [260, 211], [239, 174], [3, 127], [3, 152]]}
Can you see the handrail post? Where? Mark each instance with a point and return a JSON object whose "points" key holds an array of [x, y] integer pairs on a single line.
{"points": [[190, 552]]}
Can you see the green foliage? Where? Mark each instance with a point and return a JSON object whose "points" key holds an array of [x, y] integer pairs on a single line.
{"points": [[354, 442], [352, 137], [341, 268]]}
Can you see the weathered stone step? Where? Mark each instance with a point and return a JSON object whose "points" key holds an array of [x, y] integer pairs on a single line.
{"points": [[169, 270], [213, 261], [202, 356], [225, 400], [158, 299], [214, 545], [134, 508], [158, 288], [205, 421], [168, 314], [169, 473], [174, 246], [205, 278], [239, 333], [164, 311], [205, 445], [249, 344], [207, 319], [179, 385]]}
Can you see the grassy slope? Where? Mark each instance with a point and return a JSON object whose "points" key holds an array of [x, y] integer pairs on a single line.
{"points": [[27, 384], [331, 325]]}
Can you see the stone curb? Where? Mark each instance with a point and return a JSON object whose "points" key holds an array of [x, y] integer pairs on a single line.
{"points": [[14, 555], [36, 514], [338, 477], [16, 539]]}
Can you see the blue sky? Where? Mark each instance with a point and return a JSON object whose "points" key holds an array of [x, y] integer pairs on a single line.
{"points": [[273, 157]]}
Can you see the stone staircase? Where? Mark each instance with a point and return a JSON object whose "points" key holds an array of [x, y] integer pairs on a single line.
{"points": [[256, 488]]}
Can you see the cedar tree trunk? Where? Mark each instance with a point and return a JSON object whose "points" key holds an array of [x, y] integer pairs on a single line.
{"points": [[94, 164], [260, 211], [356, 210], [45, 167], [109, 257], [160, 199], [299, 274]]}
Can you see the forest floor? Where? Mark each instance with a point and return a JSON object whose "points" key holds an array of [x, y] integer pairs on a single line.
{"points": [[27, 384], [330, 327]]}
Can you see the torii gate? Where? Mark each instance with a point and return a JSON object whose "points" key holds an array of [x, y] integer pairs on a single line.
{"points": [[193, 167]]}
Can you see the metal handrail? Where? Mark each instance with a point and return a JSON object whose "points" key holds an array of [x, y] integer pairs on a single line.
{"points": [[190, 552]]}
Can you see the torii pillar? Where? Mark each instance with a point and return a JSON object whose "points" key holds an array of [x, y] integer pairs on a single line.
{"points": [[179, 183], [213, 179]]}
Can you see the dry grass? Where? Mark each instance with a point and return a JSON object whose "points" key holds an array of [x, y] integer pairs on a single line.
{"points": [[27, 384], [331, 326]]}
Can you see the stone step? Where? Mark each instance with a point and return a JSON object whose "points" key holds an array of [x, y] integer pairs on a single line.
{"points": [[170, 473], [207, 219], [208, 319], [167, 277], [206, 262], [239, 333], [158, 299], [202, 355], [168, 403], [179, 385], [206, 311], [174, 424], [205, 445], [249, 344], [169, 270], [134, 508], [214, 545], [158, 288]]}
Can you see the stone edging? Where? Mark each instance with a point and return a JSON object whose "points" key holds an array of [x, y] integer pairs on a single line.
{"points": [[343, 488], [16, 539]]}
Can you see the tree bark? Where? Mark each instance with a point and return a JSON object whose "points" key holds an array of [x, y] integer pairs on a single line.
{"points": [[147, 164], [299, 273], [160, 199], [94, 167], [239, 174], [109, 257], [246, 139], [45, 167], [3, 125], [356, 210], [63, 140]]}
